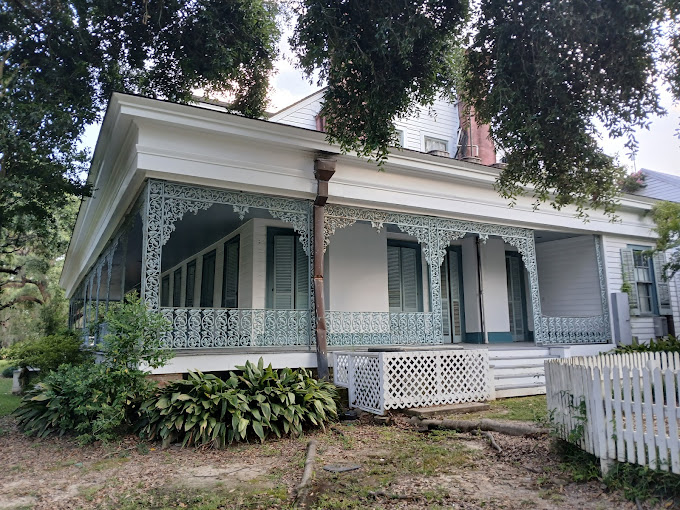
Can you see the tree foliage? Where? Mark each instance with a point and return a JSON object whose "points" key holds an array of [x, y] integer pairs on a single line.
{"points": [[380, 61], [60, 61], [666, 215]]}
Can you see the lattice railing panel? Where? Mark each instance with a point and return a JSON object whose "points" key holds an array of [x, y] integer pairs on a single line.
{"points": [[413, 379], [201, 328], [380, 328], [576, 330]]}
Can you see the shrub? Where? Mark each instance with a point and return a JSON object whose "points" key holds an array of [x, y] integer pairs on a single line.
{"points": [[207, 411], [90, 400], [48, 352], [665, 344], [97, 401], [8, 372]]}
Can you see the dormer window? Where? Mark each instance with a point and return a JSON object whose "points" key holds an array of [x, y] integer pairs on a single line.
{"points": [[321, 123], [436, 144]]}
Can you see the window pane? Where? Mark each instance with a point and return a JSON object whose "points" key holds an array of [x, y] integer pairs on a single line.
{"points": [[165, 291], [208, 280], [191, 284], [435, 144], [176, 287]]}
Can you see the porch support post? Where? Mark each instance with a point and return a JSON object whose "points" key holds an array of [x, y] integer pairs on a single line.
{"points": [[152, 228], [323, 171], [602, 275]]}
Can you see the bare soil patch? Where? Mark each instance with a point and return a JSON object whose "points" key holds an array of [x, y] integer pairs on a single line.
{"points": [[400, 468]]}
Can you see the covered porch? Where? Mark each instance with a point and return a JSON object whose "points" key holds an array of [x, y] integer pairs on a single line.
{"points": [[232, 273]]}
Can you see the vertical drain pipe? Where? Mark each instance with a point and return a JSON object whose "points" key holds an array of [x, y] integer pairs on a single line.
{"points": [[482, 324], [323, 171]]}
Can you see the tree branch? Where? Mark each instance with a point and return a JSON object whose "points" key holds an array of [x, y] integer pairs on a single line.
{"points": [[21, 299]]}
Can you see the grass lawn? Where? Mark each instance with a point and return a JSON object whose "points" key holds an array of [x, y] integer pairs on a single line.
{"points": [[532, 409], [8, 402]]}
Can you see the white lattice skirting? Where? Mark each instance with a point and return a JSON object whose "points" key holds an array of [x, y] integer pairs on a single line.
{"points": [[378, 381]]}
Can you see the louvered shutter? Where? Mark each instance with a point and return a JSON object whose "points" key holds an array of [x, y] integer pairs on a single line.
{"points": [[177, 287], [301, 276], [394, 279], [446, 305], [409, 278], [230, 280], [663, 293], [165, 291], [283, 279], [191, 284], [456, 305], [628, 272], [515, 297], [208, 280]]}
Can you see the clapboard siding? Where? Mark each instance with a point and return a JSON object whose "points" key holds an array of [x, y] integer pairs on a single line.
{"points": [[568, 278], [438, 121], [642, 327]]}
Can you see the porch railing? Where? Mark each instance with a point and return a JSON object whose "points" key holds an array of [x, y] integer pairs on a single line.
{"points": [[202, 328], [380, 328], [575, 330]]}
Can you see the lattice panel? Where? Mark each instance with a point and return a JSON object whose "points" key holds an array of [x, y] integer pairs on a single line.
{"points": [[365, 387], [426, 378], [393, 380], [341, 370], [201, 328]]}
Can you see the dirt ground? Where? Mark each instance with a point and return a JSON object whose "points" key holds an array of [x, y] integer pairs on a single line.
{"points": [[398, 468]]}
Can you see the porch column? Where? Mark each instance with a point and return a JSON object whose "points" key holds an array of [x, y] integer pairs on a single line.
{"points": [[323, 171], [152, 227]]}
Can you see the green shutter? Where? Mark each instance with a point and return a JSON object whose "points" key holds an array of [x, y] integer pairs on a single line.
{"points": [[230, 274], [628, 273], [663, 292], [165, 291], [410, 280], [208, 280], [301, 276], [456, 305], [191, 284], [515, 311], [446, 305], [283, 278], [176, 287], [393, 279]]}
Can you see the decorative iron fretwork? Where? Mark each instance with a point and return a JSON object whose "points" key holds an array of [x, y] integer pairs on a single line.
{"points": [[203, 328], [152, 244], [575, 330], [381, 328], [603, 286]]}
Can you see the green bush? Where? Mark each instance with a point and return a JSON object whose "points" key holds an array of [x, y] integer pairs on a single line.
{"points": [[207, 411], [90, 400], [97, 401], [48, 352], [665, 344], [8, 372]]}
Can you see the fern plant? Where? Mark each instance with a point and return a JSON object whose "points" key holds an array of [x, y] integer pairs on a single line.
{"points": [[205, 410]]}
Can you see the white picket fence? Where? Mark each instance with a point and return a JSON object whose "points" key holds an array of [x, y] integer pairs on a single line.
{"points": [[377, 381], [619, 407]]}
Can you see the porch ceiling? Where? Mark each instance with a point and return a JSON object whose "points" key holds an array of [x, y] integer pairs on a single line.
{"points": [[545, 236]]}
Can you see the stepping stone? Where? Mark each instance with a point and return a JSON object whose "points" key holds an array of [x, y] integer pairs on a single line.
{"points": [[341, 468]]}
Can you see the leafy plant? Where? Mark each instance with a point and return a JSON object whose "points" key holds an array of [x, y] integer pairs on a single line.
{"points": [[205, 410], [48, 352], [96, 401], [632, 182], [90, 400], [665, 344], [8, 372]]}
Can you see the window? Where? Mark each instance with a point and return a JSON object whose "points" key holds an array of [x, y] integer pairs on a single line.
{"points": [[404, 277], [287, 271], [400, 137], [436, 144], [165, 290], [648, 291], [208, 280], [230, 275], [191, 284], [177, 287]]}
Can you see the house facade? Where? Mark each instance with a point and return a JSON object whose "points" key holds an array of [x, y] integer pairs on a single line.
{"points": [[211, 217]]}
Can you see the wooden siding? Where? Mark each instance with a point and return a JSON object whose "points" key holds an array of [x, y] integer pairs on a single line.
{"points": [[568, 278]]}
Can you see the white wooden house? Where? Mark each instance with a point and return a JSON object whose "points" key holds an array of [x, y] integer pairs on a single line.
{"points": [[210, 216]]}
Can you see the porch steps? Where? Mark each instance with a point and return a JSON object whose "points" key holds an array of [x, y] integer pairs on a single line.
{"points": [[518, 372]]}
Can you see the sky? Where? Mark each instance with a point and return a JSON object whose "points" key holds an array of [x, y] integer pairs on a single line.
{"points": [[658, 146]]}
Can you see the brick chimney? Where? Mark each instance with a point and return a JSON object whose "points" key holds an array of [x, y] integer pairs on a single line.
{"points": [[475, 144]]}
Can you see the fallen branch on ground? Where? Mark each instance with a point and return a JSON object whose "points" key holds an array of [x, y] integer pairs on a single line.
{"points": [[493, 442], [511, 429], [302, 490]]}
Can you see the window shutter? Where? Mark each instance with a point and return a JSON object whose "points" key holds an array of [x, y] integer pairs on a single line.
{"points": [[191, 284], [409, 275], [446, 306], [628, 272], [165, 291], [515, 296], [455, 293], [176, 287], [301, 276], [663, 293], [393, 279], [283, 280], [230, 284], [208, 280]]}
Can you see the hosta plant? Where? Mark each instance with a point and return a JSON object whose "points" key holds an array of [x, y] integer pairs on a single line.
{"points": [[205, 410]]}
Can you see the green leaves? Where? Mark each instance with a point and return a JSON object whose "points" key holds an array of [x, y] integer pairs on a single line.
{"points": [[207, 411]]}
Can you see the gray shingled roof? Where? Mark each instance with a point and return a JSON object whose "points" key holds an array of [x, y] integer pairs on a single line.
{"points": [[660, 186]]}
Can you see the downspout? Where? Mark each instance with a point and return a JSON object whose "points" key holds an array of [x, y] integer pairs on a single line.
{"points": [[482, 321], [323, 171]]}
